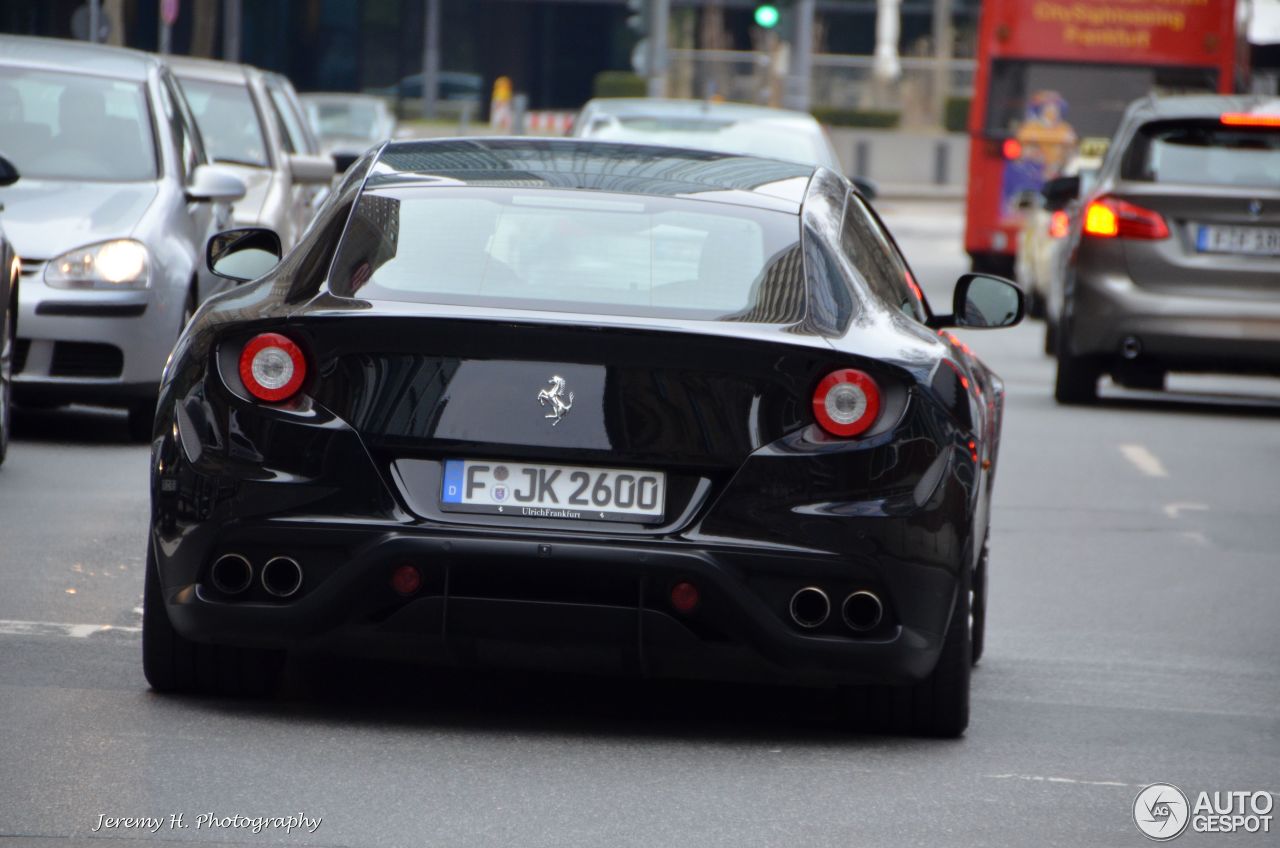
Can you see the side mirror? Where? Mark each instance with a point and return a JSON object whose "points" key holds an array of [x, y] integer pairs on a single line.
{"points": [[1060, 191], [311, 169], [865, 187], [1027, 200], [343, 161], [209, 182], [983, 302], [8, 173], [244, 254]]}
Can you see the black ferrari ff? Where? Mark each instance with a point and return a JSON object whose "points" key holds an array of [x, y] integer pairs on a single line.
{"points": [[567, 404]]}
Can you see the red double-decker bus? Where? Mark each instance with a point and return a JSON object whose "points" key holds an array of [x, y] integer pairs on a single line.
{"points": [[1054, 76]]}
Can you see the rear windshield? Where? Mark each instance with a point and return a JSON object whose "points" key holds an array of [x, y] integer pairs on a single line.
{"points": [[1204, 153], [544, 249], [68, 126], [1077, 101], [228, 121]]}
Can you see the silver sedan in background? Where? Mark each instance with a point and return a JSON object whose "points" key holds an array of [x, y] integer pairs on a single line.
{"points": [[719, 127], [349, 124], [110, 219], [246, 120]]}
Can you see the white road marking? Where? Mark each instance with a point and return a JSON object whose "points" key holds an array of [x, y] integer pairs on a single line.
{"points": [[1043, 779], [1172, 510], [9, 627], [1144, 460]]}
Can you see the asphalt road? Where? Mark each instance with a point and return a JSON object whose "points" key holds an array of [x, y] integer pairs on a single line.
{"points": [[1133, 638]]}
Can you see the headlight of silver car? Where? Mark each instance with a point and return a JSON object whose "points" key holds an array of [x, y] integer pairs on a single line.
{"points": [[117, 264]]}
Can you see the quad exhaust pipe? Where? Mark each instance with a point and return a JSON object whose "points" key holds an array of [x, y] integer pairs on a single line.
{"points": [[862, 611], [231, 574], [810, 607], [282, 576]]}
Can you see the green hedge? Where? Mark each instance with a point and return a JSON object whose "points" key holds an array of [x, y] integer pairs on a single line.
{"points": [[870, 118], [955, 114], [619, 84]]}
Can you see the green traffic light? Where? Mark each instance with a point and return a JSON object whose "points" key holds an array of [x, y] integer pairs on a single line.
{"points": [[767, 16]]}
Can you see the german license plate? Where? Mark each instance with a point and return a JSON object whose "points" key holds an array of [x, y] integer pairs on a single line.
{"points": [[1253, 241], [553, 491]]}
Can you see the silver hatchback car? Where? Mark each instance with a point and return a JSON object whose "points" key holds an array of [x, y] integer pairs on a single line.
{"points": [[1175, 259], [110, 219]]}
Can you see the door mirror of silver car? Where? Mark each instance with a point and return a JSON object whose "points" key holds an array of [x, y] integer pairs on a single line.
{"points": [[343, 161], [209, 182], [983, 301], [1060, 191], [865, 187], [243, 254], [309, 169], [8, 173]]}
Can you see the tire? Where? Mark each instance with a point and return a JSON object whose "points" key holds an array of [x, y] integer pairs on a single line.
{"points": [[173, 663], [937, 706], [1076, 382], [6, 382], [1050, 337], [978, 607]]}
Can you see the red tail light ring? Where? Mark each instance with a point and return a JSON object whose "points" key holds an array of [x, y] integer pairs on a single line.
{"points": [[272, 367], [846, 402]]}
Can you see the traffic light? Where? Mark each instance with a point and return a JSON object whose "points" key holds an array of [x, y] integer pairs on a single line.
{"points": [[767, 15], [638, 19]]}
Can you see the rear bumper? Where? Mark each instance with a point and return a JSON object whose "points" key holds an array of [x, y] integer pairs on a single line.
{"points": [[561, 604], [1174, 329]]}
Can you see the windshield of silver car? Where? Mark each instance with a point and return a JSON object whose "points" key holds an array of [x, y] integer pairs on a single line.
{"points": [[228, 121], [69, 126]]}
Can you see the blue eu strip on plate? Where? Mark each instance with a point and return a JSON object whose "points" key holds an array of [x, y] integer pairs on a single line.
{"points": [[452, 490]]}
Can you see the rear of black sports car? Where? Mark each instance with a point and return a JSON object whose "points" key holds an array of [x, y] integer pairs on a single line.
{"points": [[500, 482]]}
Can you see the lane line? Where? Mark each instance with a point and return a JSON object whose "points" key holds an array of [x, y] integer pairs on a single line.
{"points": [[1173, 510], [11, 627], [1144, 460]]}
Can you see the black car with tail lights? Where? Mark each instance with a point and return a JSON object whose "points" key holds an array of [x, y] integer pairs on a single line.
{"points": [[579, 405]]}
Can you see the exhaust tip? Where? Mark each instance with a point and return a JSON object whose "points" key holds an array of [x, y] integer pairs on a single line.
{"points": [[1131, 347], [282, 576], [810, 607], [862, 611], [231, 574]]}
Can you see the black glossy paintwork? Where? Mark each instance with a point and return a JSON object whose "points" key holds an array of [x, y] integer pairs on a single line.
{"points": [[762, 501]]}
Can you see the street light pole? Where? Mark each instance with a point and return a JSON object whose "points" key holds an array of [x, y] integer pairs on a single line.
{"points": [[801, 76], [431, 58], [659, 17], [943, 44], [231, 30]]}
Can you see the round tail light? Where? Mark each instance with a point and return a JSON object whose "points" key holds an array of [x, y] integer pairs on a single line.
{"points": [[272, 367], [846, 402]]}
